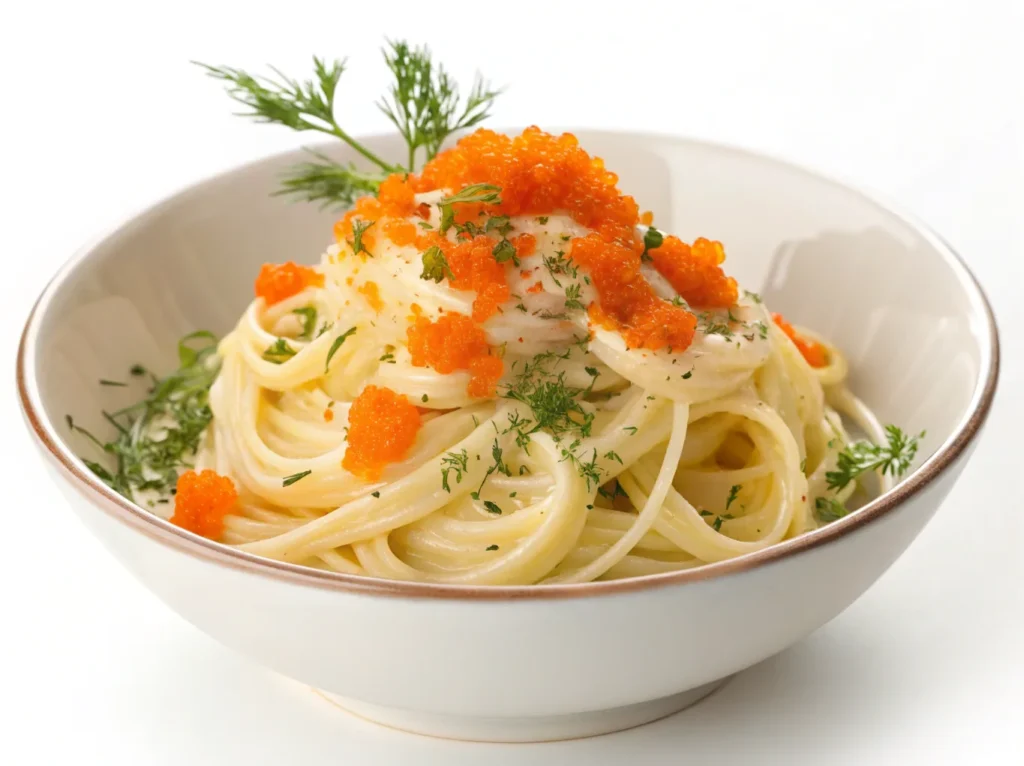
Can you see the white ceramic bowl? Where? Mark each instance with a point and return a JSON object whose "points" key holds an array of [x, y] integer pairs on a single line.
{"points": [[529, 663]]}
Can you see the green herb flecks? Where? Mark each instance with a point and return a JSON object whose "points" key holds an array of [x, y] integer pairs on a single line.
{"points": [[279, 353], [453, 461], [652, 239], [336, 345], [289, 480], [359, 228], [435, 265], [158, 436], [308, 316], [488, 194]]}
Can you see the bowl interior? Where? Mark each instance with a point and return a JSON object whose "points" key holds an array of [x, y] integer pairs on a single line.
{"points": [[906, 313]]}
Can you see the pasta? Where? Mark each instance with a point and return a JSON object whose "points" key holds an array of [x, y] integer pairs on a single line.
{"points": [[501, 373]]}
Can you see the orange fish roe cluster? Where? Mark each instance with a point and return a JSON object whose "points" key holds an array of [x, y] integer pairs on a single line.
{"points": [[278, 281], [382, 427], [538, 173], [695, 271], [814, 352], [455, 342], [628, 302], [371, 292], [474, 268], [202, 500], [525, 245], [400, 232]]}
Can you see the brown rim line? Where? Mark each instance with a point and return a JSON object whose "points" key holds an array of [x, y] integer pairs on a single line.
{"points": [[163, 532]]}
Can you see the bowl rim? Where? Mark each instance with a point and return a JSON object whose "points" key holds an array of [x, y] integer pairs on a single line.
{"points": [[163, 532]]}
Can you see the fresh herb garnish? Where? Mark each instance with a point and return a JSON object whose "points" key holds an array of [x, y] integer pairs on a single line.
{"points": [[423, 103], [435, 265], [359, 227], [453, 461], [160, 434], [491, 548], [104, 382], [280, 352], [505, 251], [828, 509], [893, 458], [308, 314], [479, 193], [336, 345], [492, 507], [734, 490], [137, 370], [652, 239], [289, 480], [572, 296]]}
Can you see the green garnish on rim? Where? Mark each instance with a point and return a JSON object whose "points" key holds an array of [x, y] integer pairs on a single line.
{"points": [[158, 436]]}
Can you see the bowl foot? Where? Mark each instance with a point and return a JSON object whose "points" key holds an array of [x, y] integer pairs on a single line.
{"points": [[528, 728]]}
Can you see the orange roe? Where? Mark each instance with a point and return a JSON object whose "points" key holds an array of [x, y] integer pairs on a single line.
{"points": [[538, 173], [382, 427], [455, 342], [695, 271], [278, 281], [400, 232], [473, 265], [536, 287], [525, 245], [202, 500], [628, 303], [485, 372], [647, 218], [328, 414], [814, 352], [371, 292]]}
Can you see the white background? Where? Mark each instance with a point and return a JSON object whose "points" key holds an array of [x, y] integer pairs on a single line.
{"points": [[102, 114]]}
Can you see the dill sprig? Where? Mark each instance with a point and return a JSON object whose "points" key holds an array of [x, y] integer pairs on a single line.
{"points": [[423, 103], [159, 435]]}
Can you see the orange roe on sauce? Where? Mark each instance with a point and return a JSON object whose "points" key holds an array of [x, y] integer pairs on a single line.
{"points": [[278, 281], [473, 265], [538, 173], [695, 271], [382, 427], [400, 232], [202, 500], [628, 303], [371, 292], [814, 352], [328, 414], [525, 245], [455, 342]]}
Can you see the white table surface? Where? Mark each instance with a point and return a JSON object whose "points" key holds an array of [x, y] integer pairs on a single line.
{"points": [[102, 114]]}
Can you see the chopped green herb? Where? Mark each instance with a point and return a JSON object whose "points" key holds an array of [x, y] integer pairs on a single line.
{"points": [[375, 494], [491, 548], [610, 455], [308, 315], [492, 507], [289, 480], [500, 224], [505, 251], [753, 296], [280, 352], [734, 490], [138, 370], [572, 296], [630, 429], [453, 461], [687, 375], [359, 227], [827, 509], [104, 382], [652, 239], [479, 193], [435, 265], [542, 219], [336, 345], [159, 435], [424, 398], [717, 524]]}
